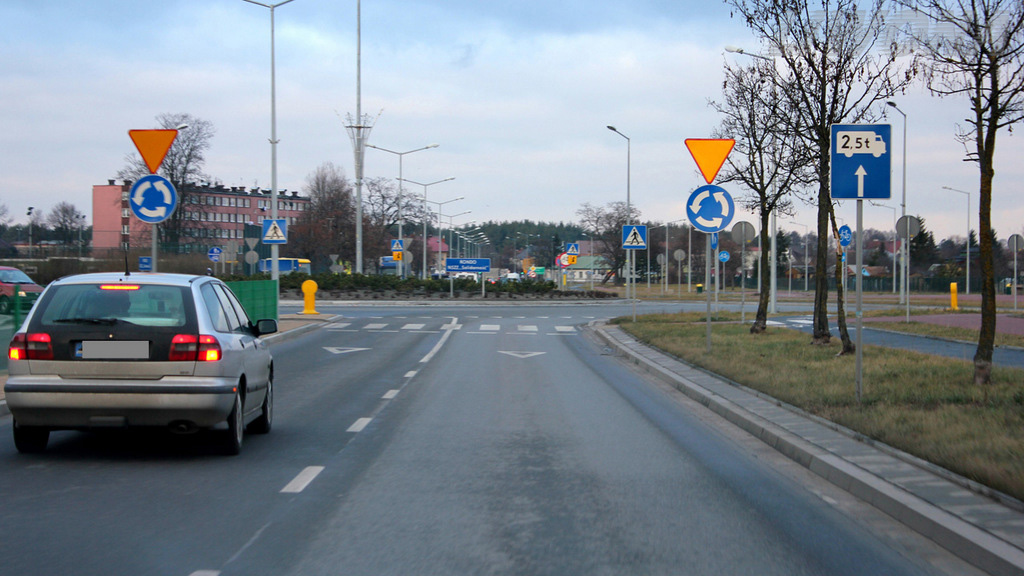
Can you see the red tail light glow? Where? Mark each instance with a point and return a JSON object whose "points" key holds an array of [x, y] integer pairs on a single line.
{"points": [[119, 286], [192, 348], [34, 346]]}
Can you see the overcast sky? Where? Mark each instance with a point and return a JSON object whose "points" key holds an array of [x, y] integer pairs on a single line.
{"points": [[517, 94]]}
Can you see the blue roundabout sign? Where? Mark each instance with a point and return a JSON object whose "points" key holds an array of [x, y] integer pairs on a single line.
{"points": [[710, 208]]}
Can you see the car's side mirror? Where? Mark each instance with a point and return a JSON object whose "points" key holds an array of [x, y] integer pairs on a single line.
{"points": [[266, 326]]}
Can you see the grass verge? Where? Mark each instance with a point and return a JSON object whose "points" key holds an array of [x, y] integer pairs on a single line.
{"points": [[924, 405]]}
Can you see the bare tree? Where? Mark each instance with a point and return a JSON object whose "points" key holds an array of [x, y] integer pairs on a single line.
{"points": [[767, 158], [982, 60], [327, 227], [182, 165], [607, 223], [833, 65], [64, 219]]}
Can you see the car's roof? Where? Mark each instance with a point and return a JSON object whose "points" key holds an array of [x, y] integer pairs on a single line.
{"points": [[161, 278]]}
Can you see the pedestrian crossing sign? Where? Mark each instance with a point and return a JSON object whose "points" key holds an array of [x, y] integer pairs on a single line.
{"points": [[396, 246], [275, 231], [573, 249], [634, 237]]}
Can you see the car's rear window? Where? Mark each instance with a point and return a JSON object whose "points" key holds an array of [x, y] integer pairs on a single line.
{"points": [[139, 304]]}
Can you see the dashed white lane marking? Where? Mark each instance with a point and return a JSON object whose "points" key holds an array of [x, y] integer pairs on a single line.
{"points": [[205, 573], [299, 483], [565, 328], [410, 373], [390, 395], [490, 327], [527, 328], [374, 326], [359, 425], [413, 327], [339, 326]]}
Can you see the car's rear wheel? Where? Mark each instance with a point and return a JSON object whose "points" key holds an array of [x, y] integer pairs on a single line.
{"points": [[30, 439], [236, 429], [265, 421]]}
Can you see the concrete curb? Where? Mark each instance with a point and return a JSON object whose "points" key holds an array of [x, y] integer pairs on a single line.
{"points": [[971, 542]]}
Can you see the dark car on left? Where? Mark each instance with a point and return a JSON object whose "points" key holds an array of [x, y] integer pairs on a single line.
{"points": [[16, 287], [114, 350]]}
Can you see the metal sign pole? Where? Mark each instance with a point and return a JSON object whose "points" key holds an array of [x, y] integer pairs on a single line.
{"points": [[860, 299]]}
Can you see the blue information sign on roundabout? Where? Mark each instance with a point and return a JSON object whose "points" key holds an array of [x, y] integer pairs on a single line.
{"points": [[710, 208], [153, 199]]}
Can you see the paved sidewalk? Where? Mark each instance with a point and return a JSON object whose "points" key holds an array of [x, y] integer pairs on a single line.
{"points": [[933, 502]]}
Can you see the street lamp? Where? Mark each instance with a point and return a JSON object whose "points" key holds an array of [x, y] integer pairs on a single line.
{"points": [[968, 243], [274, 265], [427, 215], [873, 203], [738, 50], [401, 263], [629, 218], [905, 291]]}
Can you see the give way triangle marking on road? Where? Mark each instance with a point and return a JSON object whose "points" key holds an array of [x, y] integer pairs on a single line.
{"points": [[521, 355], [343, 350]]}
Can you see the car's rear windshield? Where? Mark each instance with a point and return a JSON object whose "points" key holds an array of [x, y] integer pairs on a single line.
{"points": [[139, 304]]}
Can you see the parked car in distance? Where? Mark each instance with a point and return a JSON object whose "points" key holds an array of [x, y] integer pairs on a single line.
{"points": [[139, 350], [28, 290]]}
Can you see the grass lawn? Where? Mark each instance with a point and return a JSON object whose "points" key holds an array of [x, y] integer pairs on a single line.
{"points": [[924, 405]]}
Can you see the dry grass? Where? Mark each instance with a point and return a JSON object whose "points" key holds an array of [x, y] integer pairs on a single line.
{"points": [[924, 405]]}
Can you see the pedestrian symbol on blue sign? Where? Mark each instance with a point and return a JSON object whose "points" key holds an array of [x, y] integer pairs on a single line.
{"points": [[573, 249], [275, 231], [634, 237], [710, 208], [396, 246]]}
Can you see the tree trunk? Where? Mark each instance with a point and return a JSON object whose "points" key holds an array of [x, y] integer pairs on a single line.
{"points": [[760, 324], [821, 331], [987, 334], [844, 333]]}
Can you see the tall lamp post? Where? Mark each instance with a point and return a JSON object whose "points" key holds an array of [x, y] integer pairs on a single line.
{"points": [[401, 263], [427, 216], [967, 247], [274, 264], [905, 264], [629, 253], [29, 214]]}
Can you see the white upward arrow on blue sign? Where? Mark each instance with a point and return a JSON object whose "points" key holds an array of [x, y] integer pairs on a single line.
{"points": [[861, 164]]}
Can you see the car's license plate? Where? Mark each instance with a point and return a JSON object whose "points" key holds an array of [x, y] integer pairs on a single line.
{"points": [[114, 350]]}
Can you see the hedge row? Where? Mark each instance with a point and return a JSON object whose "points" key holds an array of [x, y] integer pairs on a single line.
{"points": [[328, 281]]}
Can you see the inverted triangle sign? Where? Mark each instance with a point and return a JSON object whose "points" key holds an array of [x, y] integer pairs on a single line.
{"points": [[153, 146], [709, 154]]}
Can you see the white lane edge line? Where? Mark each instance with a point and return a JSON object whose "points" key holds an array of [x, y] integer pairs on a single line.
{"points": [[448, 329], [299, 483], [359, 425]]}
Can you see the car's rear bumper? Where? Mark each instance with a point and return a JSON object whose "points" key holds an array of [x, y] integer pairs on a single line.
{"points": [[61, 403]]}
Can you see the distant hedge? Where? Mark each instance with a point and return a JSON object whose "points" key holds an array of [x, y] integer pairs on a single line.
{"points": [[339, 282]]}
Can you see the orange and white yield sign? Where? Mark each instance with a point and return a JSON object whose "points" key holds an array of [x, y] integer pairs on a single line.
{"points": [[710, 154], [153, 146]]}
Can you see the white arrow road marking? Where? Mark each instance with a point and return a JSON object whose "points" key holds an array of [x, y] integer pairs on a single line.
{"points": [[521, 355], [861, 173], [344, 350]]}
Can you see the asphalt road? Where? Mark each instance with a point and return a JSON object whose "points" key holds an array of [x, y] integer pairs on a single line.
{"points": [[443, 440]]}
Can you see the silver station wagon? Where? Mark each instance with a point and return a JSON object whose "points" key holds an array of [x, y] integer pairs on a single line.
{"points": [[123, 350]]}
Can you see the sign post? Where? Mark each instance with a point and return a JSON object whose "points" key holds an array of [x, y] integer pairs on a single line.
{"points": [[710, 209], [153, 208], [634, 237], [861, 167]]}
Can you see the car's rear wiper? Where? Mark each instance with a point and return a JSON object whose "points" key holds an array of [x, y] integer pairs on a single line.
{"points": [[107, 321]]}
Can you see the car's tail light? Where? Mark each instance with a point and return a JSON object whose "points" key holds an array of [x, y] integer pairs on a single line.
{"points": [[191, 348], [33, 346]]}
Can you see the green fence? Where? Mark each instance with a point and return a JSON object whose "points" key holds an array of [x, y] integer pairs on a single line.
{"points": [[259, 297]]}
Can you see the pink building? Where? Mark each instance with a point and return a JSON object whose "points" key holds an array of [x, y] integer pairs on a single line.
{"points": [[215, 216]]}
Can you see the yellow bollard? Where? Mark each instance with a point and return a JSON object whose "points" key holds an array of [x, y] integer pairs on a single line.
{"points": [[309, 288], [952, 296]]}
